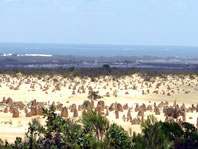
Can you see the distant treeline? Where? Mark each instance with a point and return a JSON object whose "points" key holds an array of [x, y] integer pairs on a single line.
{"points": [[96, 72]]}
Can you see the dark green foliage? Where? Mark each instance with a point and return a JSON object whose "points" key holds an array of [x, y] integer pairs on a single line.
{"points": [[183, 137], [19, 144], [152, 136], [106, 66], [190, 135], [63, 133], [72, 69], [147, 75], [94, 123], [172, 130], [117, 137], [190, 128]]}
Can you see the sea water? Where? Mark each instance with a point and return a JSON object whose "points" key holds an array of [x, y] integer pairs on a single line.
{"points": [[98, 50]]}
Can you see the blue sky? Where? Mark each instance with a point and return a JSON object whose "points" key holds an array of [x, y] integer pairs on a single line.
{"points": [[134, 22]]}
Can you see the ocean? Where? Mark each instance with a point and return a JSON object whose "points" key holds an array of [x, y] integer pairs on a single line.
{"points": [[98, 50]]}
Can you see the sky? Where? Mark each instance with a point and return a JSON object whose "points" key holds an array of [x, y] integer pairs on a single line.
{"points": [[131, 22]]}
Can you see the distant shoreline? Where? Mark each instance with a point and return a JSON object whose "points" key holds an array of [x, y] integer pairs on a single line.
{"points": [[99, 49]]}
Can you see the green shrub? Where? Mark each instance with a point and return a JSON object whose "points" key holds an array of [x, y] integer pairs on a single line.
{"points": [[117, 137], [95, 123]]}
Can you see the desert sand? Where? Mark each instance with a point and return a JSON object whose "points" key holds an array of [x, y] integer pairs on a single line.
{"points": [[123, 100]]}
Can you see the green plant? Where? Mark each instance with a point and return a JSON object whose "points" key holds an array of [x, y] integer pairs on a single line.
{"points": [[95, 123], [117, 138], [152, 136]]}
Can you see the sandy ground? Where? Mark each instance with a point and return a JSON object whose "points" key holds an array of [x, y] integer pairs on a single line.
{"points": [[130, 90]]}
